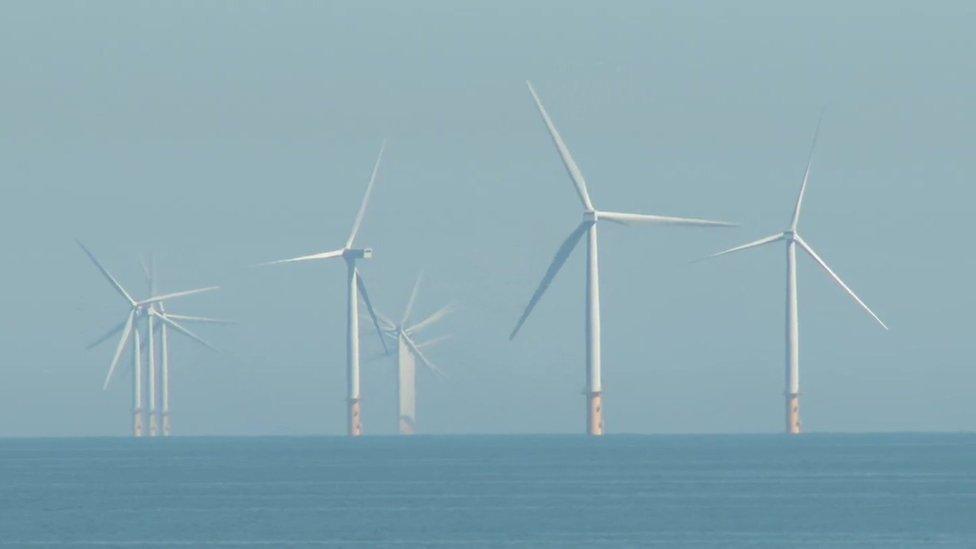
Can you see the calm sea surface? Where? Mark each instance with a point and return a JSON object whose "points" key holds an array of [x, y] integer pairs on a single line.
{"points": [[557, 491]]}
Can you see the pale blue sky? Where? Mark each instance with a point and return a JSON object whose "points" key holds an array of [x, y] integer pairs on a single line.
{"points": [[220, 134]]}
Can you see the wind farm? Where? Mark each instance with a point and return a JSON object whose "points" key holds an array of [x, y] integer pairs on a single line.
{"points": [[147, 325], [139, 324]]}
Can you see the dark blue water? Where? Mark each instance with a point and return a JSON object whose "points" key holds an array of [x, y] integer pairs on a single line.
{"points": [[559, 491]]}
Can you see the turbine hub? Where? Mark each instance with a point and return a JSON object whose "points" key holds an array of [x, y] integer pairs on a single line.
{"points": [[590, 215]]}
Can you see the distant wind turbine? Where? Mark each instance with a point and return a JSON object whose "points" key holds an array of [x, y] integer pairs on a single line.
{"points": [[354, 288], [594, 412], [140, 310], [792, 239], [407, 351], [162, 332]]}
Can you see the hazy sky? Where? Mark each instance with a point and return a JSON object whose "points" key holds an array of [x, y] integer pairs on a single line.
{"points": [[217, 135]]}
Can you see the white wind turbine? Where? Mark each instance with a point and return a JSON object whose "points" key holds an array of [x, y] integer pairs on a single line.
{"points": [[792, 239], [594, 413], [140, 310], [162, 332], [354, 288], [407, 352]]}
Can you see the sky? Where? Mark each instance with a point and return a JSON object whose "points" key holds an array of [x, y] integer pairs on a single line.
{"points": [[217, 135]]}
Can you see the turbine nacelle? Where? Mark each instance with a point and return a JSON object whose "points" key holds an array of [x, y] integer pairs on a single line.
{"points": [[357, 253]]}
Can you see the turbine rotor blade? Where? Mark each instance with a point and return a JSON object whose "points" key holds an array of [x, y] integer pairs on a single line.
{"points": [[108, 276], [433, 318], [574, 172], [146, 273], [416, 351], [806, 176], [152, 274], [164, 297], [126, 332], [369, 189], [413, 298], [753, 244], [118, 328], [372, 312], [321, 255], [387, 324], [626, 218], [838, 281], [562, 254], [176, 326], [201, 319], [435, 341]]}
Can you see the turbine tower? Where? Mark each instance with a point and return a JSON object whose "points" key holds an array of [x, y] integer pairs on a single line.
{"points": [[588, 227], [407, 352], [793, 239], [139, 311], [354, 288]]}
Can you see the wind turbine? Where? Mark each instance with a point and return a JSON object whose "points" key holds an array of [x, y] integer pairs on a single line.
{"points": [[354, 288], [407, 352], [162, 331], [139, 310], [793, 239], [591, 216]]}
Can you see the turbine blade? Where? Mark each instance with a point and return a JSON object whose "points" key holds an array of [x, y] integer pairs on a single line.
{"points": [[152, 274], [108, 276], [321, 255], [562, 254], [201, 319], [174, 295], [388, 324], [369, 190], [146, 273], [838, 281], [126, 332], [806, 176], [574, 172], [439, 314], [118, 328], [753, 244], [627, 218], [433, 342], [176, 326], [372, 312], [413, 298], [416, 351]]}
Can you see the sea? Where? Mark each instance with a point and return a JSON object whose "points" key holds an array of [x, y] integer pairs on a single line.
{"points": [[816, 490]]}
